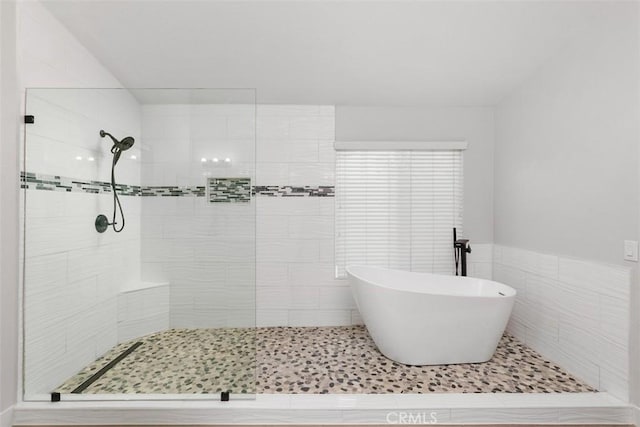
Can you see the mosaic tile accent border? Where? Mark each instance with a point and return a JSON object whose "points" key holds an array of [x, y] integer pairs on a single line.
{"points": [[229, 190], [172, 191], [289, 191], [30, 180], [37, 181]]}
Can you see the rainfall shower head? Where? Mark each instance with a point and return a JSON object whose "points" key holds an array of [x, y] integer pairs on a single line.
{"points": [[123, 145]]}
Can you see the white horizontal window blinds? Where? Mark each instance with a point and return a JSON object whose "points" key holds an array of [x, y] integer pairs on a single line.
{"points": [[397, 209]]}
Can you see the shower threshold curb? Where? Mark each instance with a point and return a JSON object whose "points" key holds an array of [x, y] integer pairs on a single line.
{"points": [[450, 408]]}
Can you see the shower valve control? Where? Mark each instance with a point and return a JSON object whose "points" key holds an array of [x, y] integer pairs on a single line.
{"points": [[631, 250]]}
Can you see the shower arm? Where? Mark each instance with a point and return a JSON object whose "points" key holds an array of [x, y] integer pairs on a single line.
{"points": [[103, 134]]}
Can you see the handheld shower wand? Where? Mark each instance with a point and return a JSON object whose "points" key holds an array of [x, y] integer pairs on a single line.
{"points": [[102, 223]]}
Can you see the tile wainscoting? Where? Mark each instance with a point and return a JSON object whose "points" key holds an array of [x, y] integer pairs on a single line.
{"points": [[480, 261], [573, 312]]}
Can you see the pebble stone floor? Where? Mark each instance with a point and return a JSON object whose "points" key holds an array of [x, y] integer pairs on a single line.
{"points": [[308, 360]]}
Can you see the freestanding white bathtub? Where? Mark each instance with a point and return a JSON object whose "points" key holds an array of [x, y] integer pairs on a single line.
{"points": [[431, 319]]}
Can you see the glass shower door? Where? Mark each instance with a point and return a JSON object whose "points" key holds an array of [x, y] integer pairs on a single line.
{"points": [[151, 292]]}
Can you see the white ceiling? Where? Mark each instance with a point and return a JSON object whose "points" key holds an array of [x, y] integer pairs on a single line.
{"points": [[331, 52]]}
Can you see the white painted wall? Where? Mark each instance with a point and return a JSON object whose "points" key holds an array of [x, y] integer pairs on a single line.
{"points": [[634, 339], [566, 150], [3, 61], [475, 124], [566, 183], [9, 103], [73, 274]]}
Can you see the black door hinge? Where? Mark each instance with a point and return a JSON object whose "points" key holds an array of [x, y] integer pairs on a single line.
{"points": [[29, 119]]}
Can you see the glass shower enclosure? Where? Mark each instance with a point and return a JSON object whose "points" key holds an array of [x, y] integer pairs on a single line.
{"points": [[138, 225]]}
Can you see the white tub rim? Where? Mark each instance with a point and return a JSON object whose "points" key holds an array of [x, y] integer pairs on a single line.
{"points": [[495, 287]]}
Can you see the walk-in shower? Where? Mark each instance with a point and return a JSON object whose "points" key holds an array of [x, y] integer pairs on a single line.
{"points": [[166, 305], [102, 223]]}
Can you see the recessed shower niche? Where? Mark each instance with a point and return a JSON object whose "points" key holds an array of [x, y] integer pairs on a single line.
{"points": [[182, 268]]}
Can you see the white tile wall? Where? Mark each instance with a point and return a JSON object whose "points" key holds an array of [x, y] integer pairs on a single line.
{"points": [[67, 126], [295, 282], [72, 279], [294, 236], [176, 138], [295, 145], [206, 252], [574, 312]]}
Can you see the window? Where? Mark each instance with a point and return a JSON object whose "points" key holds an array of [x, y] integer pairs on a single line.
{"points": [[397, 208]]}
